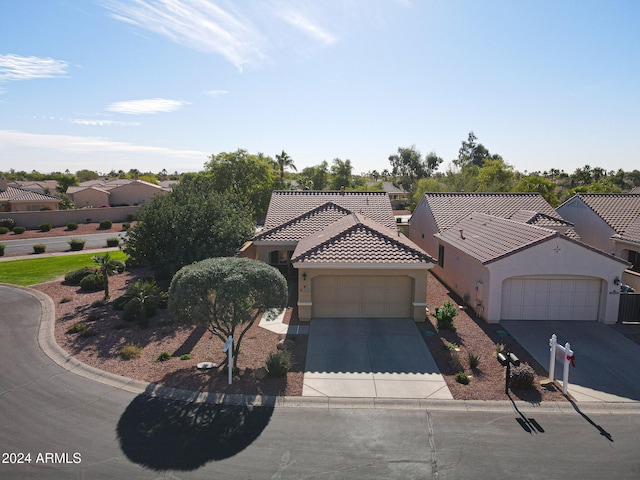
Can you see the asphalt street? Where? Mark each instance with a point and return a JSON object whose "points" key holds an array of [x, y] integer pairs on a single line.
{"points": [[91, 430], [58, 244]]}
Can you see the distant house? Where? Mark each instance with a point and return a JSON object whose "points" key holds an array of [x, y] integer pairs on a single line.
{"points": [[15, 199], [512, 257], [610, 222], [346, 254], [397, 195], [43, 186], [95, 193]]}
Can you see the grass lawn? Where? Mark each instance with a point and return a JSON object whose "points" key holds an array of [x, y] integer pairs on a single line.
{"points": [[38, 270]]}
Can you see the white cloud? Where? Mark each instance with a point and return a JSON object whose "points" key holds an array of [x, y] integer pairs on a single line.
{"points": [[103, 123], [197, 24], [216, 93], [16, 67], [89, 145], [305, 24], [145, 107]]}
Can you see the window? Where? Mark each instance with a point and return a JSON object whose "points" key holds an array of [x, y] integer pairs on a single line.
{"points": [[279, 257], [634, 258], [441, 256]]}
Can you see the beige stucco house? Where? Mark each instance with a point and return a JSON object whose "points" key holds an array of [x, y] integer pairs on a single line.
{"points": [[345, 254], [14, 199], [117, 192], [512, 257]]}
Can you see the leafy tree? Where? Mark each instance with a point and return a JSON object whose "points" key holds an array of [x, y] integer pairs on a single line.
{"points": [[226, 295], [341, 171], [65, 180], [538, 184], [495, 176], [250, 178], [107, 267], [190, 223], [318, 174], [472, 153], [409, 167], [429, 184], [284, 161], [86, 175]]}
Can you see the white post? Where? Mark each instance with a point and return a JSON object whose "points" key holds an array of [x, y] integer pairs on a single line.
{"points": [[567, 362], [552, 363], [230, 359]]}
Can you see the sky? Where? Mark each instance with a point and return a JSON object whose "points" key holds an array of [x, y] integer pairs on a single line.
{"points": [[163, 84]]}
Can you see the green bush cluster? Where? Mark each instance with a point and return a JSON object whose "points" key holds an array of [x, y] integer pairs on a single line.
{"points": [[462, 378], [164, 356], [44, 227], [131, 217], [9, 223], [76, 244], [74, 277], [279, 363], [522, 376], [39, 248], [92, 282], [4, 230], [140, 302], [131, 351], [106, 224], [113, 242], [19, 230], [72, 226], [186, 356], [474, 360], [444, 316]]}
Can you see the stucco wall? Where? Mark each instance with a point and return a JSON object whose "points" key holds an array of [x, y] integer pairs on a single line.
{"points": [[59, 218], [35, 206], [134, 194], [592, 229], [90, 198], [422, 228]]}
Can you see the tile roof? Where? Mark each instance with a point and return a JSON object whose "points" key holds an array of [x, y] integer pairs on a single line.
{"points": [[631, 233], [357, 239], [635, 191], [388, 187], [449, 208], [14, 194], [286, 205], [539, 219], [304, 225], [618, 210]]}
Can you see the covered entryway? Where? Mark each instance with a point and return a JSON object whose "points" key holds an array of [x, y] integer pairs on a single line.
{"points": [[551, 298], [354, 296]]}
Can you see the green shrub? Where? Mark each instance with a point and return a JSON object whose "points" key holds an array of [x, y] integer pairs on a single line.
{"points": [[186, 356], [164, 356], [4, 230], [39, 248], [126, 226], [77, 328], [131, 217], [279, 363], [113, 241], [522, 376], [106, 224], [445, 315], [92, 282], [9, 223], [2, 246], [131, 351], [147, 296], [19, 230], [76, 244], [134, 311], [450, 346], [74, 277], [474, 360], [72, 226], [462, 378], [44, 227]]}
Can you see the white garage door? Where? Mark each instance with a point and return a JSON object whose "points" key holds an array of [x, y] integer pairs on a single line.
{"points": [[550, 298], [362, 296]]}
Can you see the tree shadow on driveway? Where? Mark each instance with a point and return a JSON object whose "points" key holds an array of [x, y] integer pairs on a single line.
{"points": [[165, 434]]}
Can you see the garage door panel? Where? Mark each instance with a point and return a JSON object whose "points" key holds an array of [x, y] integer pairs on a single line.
{"points": [[551, 299]]}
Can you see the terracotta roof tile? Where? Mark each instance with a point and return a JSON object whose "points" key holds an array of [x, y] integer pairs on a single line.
{"points": [[618, 210], [14, 194], [304, 225], [449, 208], [631, 233], [357, 239], [286, 205], [539, 219]]}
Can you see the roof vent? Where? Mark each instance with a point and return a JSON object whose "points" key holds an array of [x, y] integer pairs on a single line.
{"points": [[462, 234]]}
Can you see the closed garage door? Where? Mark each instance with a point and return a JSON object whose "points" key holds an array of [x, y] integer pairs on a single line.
{"points": [[550, 298], [362, 296]]}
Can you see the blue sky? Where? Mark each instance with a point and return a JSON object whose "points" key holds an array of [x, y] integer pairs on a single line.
{"points": [[162, 84]]}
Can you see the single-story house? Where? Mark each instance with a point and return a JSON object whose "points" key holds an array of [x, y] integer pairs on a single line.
{"points": [[95, 193], [397, 195], [512, 257], [345, 253], [42, 186], [15, 199]]}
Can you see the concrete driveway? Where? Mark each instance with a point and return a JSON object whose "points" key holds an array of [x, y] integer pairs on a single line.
{"points": [[370, 357], [606, 362]]}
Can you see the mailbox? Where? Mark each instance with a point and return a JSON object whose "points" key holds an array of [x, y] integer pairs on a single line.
{"points": [[506, 360]]}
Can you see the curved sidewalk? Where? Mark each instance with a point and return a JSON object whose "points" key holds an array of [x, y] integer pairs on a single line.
{"points": [[46, 341]]}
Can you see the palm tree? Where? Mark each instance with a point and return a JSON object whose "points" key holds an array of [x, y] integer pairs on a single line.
{"points": [[107, 267], [284, 161]]}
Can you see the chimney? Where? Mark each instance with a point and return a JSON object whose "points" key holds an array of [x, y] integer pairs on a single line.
{"points": [[3, 184]]}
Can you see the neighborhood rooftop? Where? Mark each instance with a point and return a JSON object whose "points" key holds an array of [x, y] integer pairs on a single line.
{"points": [[449, 208], [618, 210], [16, 194], [356, 239], [286, 205]]}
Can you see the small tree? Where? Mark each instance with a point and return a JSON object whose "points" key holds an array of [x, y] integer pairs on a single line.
{"points": [[226, 295], [107, 266]]}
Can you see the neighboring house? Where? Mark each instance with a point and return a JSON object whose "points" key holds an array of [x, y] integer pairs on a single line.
{"points": [[95, 193], [396, 194], [512, 257], [14, 199], [345, 252], [610, 222], [46, 187]]}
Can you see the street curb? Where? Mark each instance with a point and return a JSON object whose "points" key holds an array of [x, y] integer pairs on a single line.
{"points": [[32, 256], [47, 343]]}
